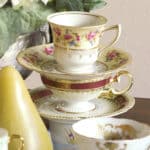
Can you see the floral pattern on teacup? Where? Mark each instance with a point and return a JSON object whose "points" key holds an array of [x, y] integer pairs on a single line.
{"points": [[119, 132], [49, 50], [70, 137], [67, 37], [110, 146]]}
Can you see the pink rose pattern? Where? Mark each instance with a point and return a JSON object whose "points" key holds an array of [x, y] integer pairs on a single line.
{"points": [[57, 31], [115, 59], [112, 55], [49, 50], [91, 36], [67, 36], [74, 39]]}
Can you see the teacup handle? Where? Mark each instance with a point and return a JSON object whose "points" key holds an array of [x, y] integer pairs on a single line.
{"points": [[117, 79], [111, 93], [115, 39], [15, 136]]}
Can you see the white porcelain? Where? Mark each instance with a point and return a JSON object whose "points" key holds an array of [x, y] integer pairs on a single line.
{"points": [[62, 135], [75, 101], [76, 61], [5, 139], [112, 134]]}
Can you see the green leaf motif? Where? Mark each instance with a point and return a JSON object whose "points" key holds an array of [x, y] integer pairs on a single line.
{"points": [[97, 4], [70, 5]]}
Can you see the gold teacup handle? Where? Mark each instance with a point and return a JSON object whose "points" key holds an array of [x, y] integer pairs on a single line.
{"points": [[15, 136], [117, 79], [115, 39]]}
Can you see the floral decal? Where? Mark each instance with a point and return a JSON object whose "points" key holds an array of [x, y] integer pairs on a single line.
{"points": [[112, 55], [70, 137], [67, 37], [115, 59], [110, 146], [57, 31], [91, 36], [31, 57], [49, 50]]}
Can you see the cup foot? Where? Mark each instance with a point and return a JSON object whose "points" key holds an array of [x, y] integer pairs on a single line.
{"points": [[80, 107], [77, 70]]}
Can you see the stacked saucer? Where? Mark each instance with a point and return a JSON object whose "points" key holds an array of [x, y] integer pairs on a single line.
{"points": [[78, 74]]}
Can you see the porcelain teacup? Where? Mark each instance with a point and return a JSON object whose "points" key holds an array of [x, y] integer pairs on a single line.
{"points": [[77, 39], [79, 30], [76, 94], [112, 134], [5, 139]]}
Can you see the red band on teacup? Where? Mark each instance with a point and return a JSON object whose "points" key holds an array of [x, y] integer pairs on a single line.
{"points": [[89, 85]]}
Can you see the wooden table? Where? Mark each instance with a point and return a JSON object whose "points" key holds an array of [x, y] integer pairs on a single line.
{"points": [[140, 112]]}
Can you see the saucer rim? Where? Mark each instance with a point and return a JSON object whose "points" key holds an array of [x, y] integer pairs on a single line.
{"points": [[129, 105], [96, 75]]}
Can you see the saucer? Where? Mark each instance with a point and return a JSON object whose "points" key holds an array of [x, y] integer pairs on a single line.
{"points": [[47, 107], [40, 59]]}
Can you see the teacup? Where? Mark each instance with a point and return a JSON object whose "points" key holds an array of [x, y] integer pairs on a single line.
{"points": [[76, 94], [112, 134], [5, 139], [79, 30]]}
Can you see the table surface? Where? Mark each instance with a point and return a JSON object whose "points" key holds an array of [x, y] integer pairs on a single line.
{"points": [[140, 112]]}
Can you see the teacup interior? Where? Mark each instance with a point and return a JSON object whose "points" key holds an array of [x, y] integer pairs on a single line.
{"points": [[111, 129], [77, 19]]}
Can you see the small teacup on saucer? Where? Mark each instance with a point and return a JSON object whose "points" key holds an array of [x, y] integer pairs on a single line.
{"points": [[74, 95], [80, 30], [77, 39], [112, 134]]}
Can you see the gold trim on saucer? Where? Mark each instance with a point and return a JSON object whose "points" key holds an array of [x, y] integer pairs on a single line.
{"points": [[46, 107]]}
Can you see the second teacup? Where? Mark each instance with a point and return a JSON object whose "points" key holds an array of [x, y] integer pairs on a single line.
{"points": [[74, 95], [112, 134]]}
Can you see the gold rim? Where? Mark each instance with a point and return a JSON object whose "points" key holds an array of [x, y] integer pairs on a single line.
{"points": [[116, 79], [76, 12]]}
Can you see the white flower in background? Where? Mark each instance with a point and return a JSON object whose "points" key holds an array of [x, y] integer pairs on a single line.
{"points": [[18, 3], [45, 1], [3, 2]]}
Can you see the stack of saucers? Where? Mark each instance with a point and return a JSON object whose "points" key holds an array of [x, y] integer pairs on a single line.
{"points": [[78, 74]]}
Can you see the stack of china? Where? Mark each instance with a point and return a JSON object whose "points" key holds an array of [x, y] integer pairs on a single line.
{"points": [[77, 40], [78, 73]]}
